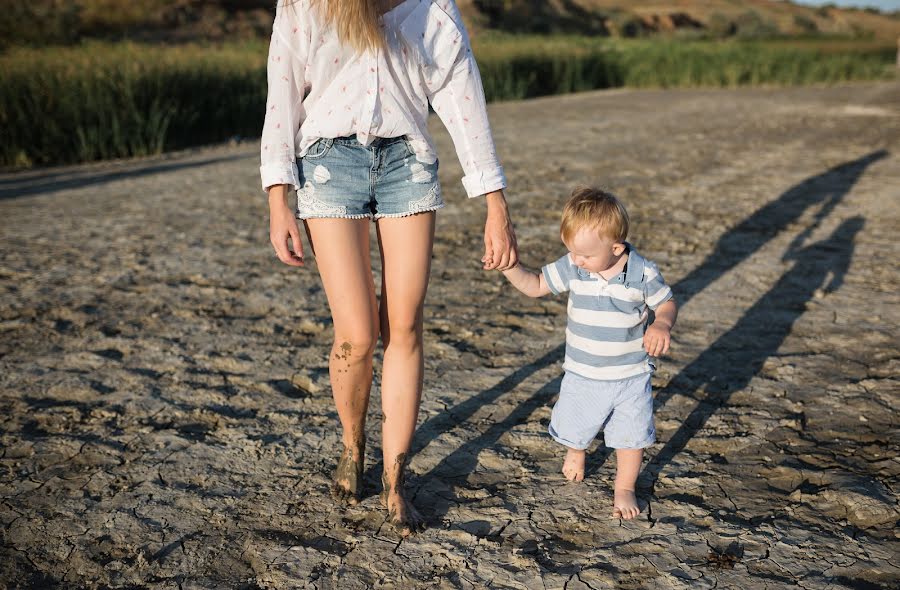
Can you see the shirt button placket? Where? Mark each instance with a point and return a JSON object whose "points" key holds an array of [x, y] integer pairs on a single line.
{"points": [[371, 96]]}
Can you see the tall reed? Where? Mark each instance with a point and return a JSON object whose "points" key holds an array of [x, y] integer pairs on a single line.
{"points": [[100, 101]]}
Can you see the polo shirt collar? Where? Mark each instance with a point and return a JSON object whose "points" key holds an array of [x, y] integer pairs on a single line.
{"points": [[634, 273]]}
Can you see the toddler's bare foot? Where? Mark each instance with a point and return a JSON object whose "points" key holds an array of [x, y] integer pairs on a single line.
{"points": [[625, 504], [348, 475], [573, 466]]}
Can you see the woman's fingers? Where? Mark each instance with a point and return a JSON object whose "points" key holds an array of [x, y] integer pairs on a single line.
{"points": [[513, 258], [510, 258], [500, 253], [488, 258], [279, 238], [501, 257], [285, 255], [297, 254]]}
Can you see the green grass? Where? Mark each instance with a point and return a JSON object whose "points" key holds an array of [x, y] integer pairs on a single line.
{"points": [[101, 100], [515, 68]]}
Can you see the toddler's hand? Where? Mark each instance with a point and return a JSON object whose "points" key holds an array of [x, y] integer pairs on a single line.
{"points": [[656, 339]]}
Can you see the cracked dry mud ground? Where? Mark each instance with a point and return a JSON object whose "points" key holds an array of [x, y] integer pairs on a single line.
{"points": [[166, 415]]}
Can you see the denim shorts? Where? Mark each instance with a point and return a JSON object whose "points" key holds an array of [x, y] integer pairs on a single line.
{"points": [[340, 177], [623, 410]]}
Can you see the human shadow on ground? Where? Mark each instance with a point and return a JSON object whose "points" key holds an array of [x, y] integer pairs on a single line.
{"points": [[29, 184], [738, 355], [824, 190], [746, 238], [737, 244]]}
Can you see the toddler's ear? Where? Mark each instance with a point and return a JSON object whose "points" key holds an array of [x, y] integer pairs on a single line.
{"points": [[618, 248]]}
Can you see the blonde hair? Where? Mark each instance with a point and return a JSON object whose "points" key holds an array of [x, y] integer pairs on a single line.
{"points": [[594, 208], [357, 22]]}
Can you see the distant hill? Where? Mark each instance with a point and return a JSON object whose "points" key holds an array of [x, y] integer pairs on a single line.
{"points": [[40, 22], [715, 18]]}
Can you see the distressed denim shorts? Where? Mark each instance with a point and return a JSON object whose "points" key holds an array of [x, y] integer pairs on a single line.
{"points": [[622, 409], [340, 177]]}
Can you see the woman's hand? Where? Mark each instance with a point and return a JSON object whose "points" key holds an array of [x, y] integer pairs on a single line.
{"points": [[500, 249], [283, 225]]}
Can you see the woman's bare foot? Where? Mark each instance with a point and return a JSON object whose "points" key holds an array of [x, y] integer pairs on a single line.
{"points": [[573, 466], [625, 504], [348, 476], [401, 513]]}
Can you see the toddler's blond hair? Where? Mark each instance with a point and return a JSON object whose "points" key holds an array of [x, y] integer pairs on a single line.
{"points": [[590, 207]]}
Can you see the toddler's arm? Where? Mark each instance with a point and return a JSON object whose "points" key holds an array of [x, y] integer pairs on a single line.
{"points": [[658, 334], [526, 281]]}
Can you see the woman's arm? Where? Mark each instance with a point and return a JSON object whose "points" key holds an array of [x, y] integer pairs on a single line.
{"points": [[284, 113], [457, 95], [284, 106], [500, 247]]}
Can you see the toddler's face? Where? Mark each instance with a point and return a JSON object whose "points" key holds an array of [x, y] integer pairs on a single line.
{"points": [[592, 252]]}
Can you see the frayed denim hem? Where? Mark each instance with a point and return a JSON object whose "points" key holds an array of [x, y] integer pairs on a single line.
{"points": [[332, 216], [408, 213]]}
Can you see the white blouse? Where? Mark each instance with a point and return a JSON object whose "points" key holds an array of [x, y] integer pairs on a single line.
{"points": [[320, 88]]}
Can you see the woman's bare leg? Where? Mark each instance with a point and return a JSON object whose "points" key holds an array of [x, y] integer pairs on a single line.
{"points": [[341, 248], [406, 246]]}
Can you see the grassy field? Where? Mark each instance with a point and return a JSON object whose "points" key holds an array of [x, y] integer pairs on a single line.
{"points": [[101, 100], [521, 67]]}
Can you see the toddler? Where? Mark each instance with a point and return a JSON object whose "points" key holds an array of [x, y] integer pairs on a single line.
{"points": [[609, 343]]}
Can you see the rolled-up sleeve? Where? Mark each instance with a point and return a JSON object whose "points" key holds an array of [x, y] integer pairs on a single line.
{"points": [[284, 106], [458, 99]]}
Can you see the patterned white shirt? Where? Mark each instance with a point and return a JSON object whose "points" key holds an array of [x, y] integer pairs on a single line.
{"points": [[319, 88]]}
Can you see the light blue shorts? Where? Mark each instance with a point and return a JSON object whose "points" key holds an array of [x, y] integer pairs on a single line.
{"points": [[341, 177], [623, 410]]}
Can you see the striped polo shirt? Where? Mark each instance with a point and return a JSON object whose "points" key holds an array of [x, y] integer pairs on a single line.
{"points": [[607, 319]]}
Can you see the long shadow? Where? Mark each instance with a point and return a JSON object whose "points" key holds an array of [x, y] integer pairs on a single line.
{"points": [[36, 184], [743, 240], [446, 421], [462, 461], [736, 245], [737, 356], [747, 237]]}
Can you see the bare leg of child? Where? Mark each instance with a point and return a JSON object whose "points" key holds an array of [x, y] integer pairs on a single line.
{"points": [[573, 466], [628, 465]]}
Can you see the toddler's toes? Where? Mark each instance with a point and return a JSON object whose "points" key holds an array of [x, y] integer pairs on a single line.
{"points": [[573, 465], [625, 505], [572, 473]]}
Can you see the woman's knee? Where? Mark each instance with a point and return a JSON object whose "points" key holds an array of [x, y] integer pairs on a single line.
{"points": [[356, 345], [405, 333]]}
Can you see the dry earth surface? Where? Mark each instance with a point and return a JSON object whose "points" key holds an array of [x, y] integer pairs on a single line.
{"points": [[165, 412]]}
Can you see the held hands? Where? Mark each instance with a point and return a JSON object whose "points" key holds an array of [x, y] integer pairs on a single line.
{"points": [[656, 338], [500, 247], [283, 225]]}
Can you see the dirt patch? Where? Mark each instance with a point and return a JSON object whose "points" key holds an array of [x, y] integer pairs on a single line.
{"points": [[166, 419]]}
